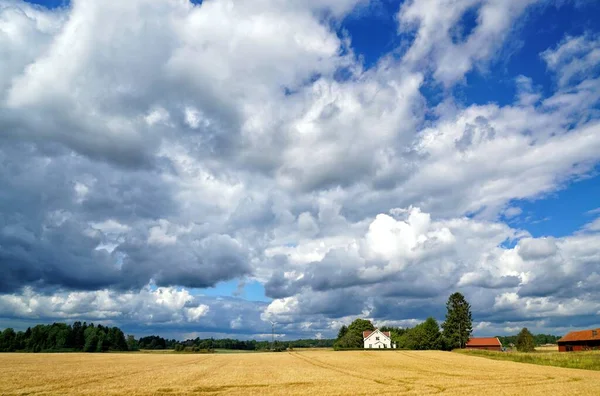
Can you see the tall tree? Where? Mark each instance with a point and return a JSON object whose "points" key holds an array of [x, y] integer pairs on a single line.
{"points": [[360, 325], [431, 333], [459, 323], [525, 342], [342, 332]]}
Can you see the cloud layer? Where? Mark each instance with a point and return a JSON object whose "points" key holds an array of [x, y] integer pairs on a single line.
{"points": [[151, 149]]}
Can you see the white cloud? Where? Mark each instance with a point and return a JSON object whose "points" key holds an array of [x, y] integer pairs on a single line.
{"points": [[194, 314], [593, 226], [513, 211], [215, 142], [574, 58], [434, 21]]}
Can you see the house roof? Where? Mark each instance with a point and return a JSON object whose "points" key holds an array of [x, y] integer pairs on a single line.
{"points": [[369, 332], [582, 335], [483, 341]]}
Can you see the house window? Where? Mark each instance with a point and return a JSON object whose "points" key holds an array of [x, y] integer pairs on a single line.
{"points": [[377, 338], [370, 345]]}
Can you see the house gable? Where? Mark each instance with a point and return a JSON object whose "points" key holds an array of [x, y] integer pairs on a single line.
{"points": [[377, 339], [367, 335]]}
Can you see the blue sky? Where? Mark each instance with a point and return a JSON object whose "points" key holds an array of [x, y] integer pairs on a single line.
{"points": [[208, 167]]}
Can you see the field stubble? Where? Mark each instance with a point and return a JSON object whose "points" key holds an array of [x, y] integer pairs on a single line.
{"points": [[289, 373]]}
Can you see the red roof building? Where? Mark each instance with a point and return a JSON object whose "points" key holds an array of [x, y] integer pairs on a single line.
{"points": [[488, 344], [369, 332], [584, 340]]}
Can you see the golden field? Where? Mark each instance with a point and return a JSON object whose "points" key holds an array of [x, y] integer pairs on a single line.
{"points": [[287, 373]]}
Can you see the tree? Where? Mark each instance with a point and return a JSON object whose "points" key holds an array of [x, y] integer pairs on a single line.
{"points": [[8, 340], [431, 334], [525, 342], [353, 336], [459, 324], [424, 336], [348, 341], [342, 332], [91, 339], [360, 325], [132, 344]]}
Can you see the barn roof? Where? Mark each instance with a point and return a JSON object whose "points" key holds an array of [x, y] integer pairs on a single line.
{"points": [[483, 341], [369, 332], [582, 335]]}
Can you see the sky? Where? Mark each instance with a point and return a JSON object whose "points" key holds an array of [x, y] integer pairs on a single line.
{"points": [[203, 168]]}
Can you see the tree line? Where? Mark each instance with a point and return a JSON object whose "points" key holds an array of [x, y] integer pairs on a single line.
{"points": [[453, 333], [538, 339], [83, 337], [249, 345], [60, 337]]}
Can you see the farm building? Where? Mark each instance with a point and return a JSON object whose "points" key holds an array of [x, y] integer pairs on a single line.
{"points": [[378, 339], [583, 340], [489, 344]]}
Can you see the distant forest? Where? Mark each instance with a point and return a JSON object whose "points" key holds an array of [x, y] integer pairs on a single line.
{"points": [[83, 337], [60, 337], [155, 342], [539, 339]]}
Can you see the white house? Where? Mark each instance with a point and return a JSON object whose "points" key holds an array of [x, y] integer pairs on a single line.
{"points": [[377, 339]]}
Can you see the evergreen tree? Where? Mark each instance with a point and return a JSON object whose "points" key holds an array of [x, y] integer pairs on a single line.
{"points": [[431, 334], [525, 342], [342, 332], [459, 324]]}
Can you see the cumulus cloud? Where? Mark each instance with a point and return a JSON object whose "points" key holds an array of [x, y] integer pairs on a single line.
{"points": [[149, 149]]}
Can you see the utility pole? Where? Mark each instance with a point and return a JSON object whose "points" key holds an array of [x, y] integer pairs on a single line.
{"points": [[272, 335], [459, 337]]}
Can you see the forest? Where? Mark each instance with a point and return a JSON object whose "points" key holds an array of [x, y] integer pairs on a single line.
{"points": [[60, 337]]}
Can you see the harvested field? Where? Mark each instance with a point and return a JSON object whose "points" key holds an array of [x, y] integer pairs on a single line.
{"points": [[289, 373]]}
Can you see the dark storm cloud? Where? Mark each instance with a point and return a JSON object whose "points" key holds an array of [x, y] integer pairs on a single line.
{"points": [[84, 136], [49, 232], [190, 262], [55, 256]]}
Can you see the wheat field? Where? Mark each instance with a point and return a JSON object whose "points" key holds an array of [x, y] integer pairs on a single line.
{"points": [[287, 373]]}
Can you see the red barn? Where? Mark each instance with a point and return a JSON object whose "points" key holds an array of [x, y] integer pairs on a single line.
{"points": [[584, 340], [488, 344]]}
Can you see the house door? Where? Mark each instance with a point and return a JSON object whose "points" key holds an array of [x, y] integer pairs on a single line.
{"points": [[569, 348]]}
